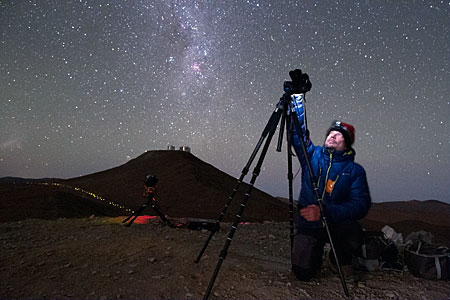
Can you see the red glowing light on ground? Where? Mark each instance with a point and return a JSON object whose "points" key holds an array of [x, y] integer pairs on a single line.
{"points": [[143, 219], [245, 223]]}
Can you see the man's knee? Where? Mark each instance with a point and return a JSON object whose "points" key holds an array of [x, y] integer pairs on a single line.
{"points": [[307, 255], [303, 274]]}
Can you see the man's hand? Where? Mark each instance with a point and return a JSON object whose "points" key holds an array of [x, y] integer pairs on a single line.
{"points": [[311, 213], [297, 104]]}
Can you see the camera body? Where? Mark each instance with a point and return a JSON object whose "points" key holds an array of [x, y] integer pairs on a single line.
{"points": [[150, 180], [300, 83], [290, 88]]}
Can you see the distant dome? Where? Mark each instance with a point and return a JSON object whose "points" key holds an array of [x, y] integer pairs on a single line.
{"points": [[185, 149]]}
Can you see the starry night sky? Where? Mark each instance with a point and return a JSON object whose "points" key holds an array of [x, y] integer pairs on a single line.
{"points": [[87, 85]]}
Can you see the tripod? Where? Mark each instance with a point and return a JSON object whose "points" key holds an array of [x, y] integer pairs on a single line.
{"points": [[150, 193], [285, 111]]}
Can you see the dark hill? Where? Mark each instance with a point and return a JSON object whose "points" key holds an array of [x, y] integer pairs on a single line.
{"points": [[19, 180], [187, 187], [431, 212], [19, 201], [409, 216]]}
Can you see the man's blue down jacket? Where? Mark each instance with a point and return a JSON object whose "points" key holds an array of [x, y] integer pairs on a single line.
{"points": [[342, 184]]}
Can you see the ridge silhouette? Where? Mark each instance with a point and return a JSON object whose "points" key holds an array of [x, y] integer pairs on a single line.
{"points": [[188, 188]]}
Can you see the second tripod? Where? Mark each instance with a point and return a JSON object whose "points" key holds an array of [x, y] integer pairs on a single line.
{"points": [[150, 194]]}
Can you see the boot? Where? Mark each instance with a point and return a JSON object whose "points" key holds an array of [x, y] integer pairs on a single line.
{"points": [[350, 276]]}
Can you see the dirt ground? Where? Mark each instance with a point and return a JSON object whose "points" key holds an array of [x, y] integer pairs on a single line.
{"points": [[100, 258]]}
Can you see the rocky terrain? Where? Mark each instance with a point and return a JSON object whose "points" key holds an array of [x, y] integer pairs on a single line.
{"points": [[64, 239], [100, 258]]}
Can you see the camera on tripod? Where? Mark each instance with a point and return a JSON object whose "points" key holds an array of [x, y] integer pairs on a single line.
{"points": [[150, 180], [300, 83], [290, 88], [150, 193]]}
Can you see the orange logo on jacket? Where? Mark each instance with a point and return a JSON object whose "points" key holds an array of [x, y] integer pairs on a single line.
{"points": [[330, 186]]}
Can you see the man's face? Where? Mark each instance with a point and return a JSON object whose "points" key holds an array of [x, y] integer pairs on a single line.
{"points": [[335, 140]]}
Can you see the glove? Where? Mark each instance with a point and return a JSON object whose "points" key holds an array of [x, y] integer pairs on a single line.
{"points": [[297, 104]]}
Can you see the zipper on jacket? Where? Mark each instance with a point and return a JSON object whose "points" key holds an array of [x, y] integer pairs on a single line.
{"points": [[318, 178], [326, 177], [325, 184]]}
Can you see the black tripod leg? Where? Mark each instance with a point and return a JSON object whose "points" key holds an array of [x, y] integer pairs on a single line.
{"points": [[129, 217], [285, 121], [161, 215], [290, 177], [134, 216], [273, 121], [238, 217], [319, 199], [132, 221]]}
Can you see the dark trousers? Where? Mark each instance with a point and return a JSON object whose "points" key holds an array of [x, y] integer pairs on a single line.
{"points": [[308, 247]]}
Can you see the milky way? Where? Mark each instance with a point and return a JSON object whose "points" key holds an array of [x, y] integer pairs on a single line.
{"points": [[86, 86]]}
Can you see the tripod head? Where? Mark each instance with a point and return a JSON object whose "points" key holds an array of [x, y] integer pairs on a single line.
{"points": [[150, 180], [294, 93], [150, 184], [300, 83]]}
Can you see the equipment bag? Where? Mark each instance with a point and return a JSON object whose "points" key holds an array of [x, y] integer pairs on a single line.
{"points": [[428, 261], [379, 253], [374, 246], [372, 249]]}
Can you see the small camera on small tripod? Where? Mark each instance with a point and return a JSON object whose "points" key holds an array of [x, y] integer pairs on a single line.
{"points": [[150, 180], [150, 193]]}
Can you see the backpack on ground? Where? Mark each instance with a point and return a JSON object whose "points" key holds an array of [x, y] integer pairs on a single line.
{"points": [[428, 261], [378, 253], [372, 249]]}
